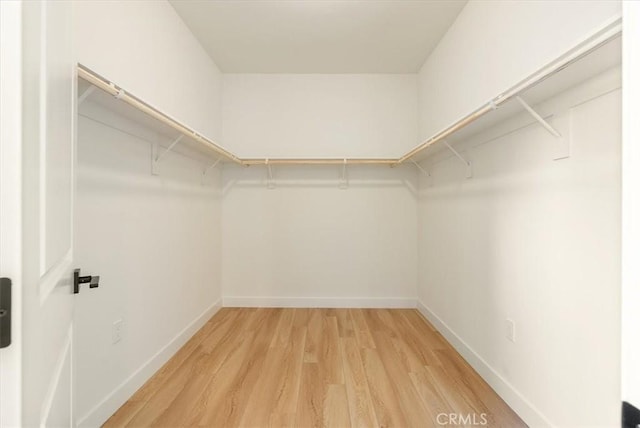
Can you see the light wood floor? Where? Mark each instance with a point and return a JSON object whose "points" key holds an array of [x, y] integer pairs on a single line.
{"points": [[253, 367]]}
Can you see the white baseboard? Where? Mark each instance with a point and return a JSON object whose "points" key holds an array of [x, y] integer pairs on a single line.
{"points": [[112, 402], [319, 302], [527, 411]]}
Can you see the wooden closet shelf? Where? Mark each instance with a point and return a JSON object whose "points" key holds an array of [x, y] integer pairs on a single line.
{"points": [[546, 74]]}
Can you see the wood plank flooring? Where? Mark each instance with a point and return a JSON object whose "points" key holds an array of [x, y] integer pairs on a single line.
{"points": [[250, 367]]}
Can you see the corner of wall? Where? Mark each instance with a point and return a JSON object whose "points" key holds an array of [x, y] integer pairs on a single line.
{"points": [[108, 406], [526, 410]]}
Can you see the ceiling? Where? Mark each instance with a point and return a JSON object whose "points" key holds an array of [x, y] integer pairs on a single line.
{"points": [[318, 36]]}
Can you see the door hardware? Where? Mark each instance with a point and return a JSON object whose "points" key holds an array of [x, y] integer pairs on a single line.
{"points": [[93, 281], [5, 312]]}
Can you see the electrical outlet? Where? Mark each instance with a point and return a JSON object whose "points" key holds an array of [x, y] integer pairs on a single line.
{"points": [[511, 330], [116, 332]]}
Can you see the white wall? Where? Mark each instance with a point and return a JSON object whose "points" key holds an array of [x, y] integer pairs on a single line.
{"points": [[493, 45], [309, 243], [145, 47], [631, 207], [320, 115], [536, 241], [155, 242]]}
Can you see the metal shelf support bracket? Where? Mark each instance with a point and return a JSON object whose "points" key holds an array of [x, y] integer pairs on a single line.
{"points": [[469, 170], [344, 182], [424, 171], [270, 183], [210, 167], [539, 118], [87, 92], [563, 147], [420, 168], [156, 158]]}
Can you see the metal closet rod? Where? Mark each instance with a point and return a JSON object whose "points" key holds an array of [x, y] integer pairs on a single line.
{"points": [[118, 92], [604, 36], [318, 161], [610, 32]]}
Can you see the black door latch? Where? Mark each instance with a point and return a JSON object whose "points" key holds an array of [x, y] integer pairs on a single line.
{"points": [[93, 281], [5, 312]]}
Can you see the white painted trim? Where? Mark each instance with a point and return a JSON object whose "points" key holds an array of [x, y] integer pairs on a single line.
{"points": [[52, 388], [319, 302], [42, 140], [525, 409], [112, 402], [56, 277], [630, 294]]}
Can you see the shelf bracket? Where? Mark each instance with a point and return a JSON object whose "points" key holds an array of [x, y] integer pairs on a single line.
{"points": [[210, 167], [424, 171], [270, 183], [156, 158], [420, 168], [563, 146], [344, 182], [87, 92], [469, 170], [539, 118]]}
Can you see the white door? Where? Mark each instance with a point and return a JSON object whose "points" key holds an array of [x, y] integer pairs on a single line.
{"points": [[10, 241], [48, 146]]}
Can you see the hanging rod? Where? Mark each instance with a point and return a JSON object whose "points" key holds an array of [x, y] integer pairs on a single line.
{"points": [[601, 38], [332, 161], [444, 134], [118, 92]]}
